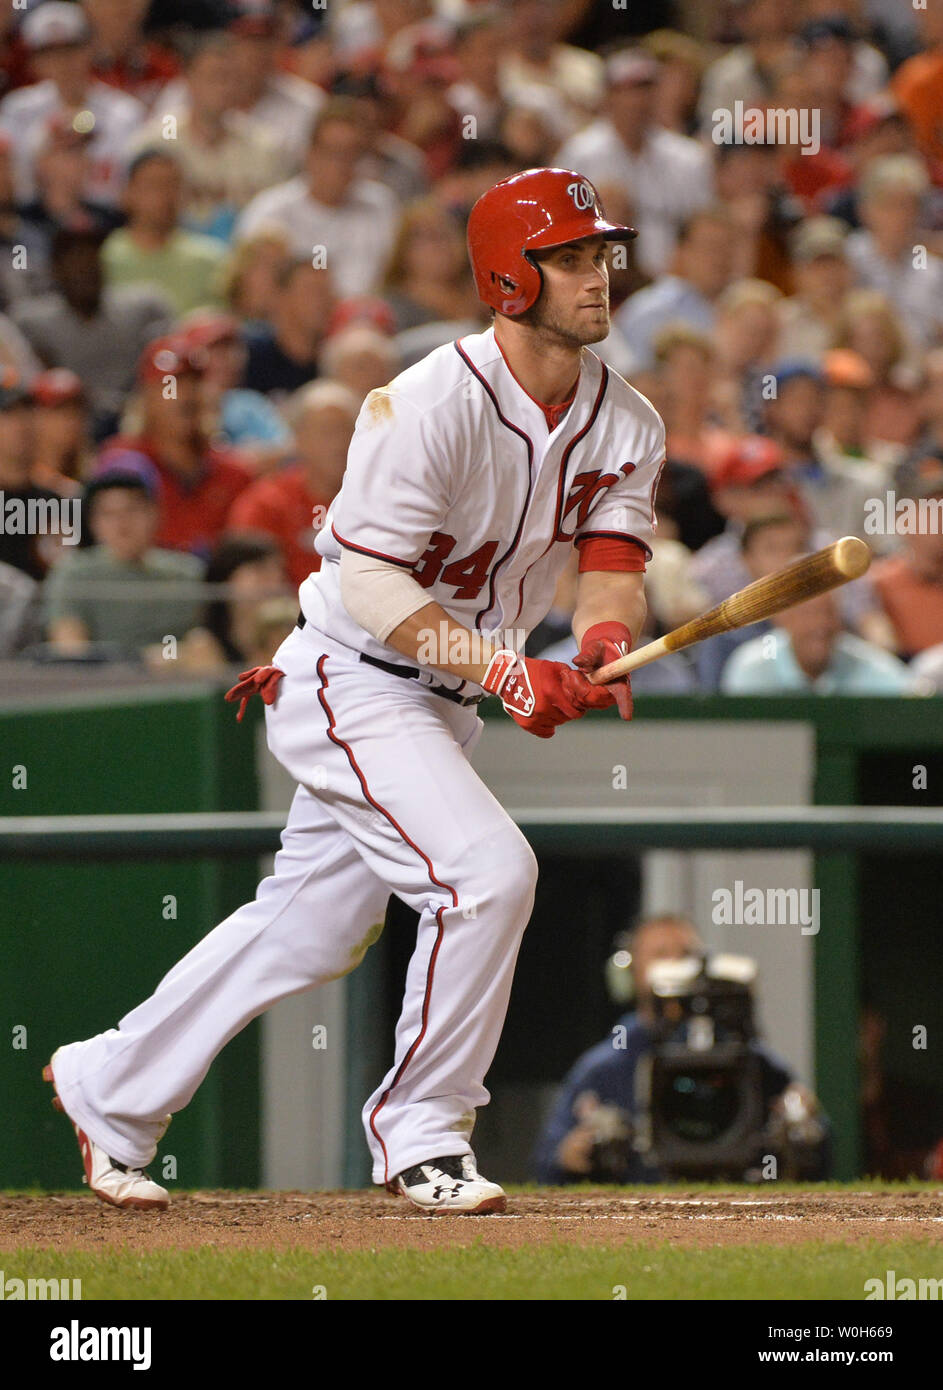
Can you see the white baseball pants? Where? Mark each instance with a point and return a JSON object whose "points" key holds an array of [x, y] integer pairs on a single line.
{"points": [[387, 802]]}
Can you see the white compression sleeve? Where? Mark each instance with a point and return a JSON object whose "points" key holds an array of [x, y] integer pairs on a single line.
{"points": [[377, 595]]}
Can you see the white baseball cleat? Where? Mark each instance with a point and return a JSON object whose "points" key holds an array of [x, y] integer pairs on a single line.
{"points": [[112, 1182], [451, 1184]]}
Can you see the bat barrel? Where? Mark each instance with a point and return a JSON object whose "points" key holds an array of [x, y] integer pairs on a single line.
{"points": [[836, 564]]}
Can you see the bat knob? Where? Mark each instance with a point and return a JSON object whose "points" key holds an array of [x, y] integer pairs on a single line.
{"points": [[852, 557]]}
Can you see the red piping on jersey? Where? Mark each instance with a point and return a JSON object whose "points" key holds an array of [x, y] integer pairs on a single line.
{"points": [[564, 461], [655, 485], [558, 518], [530, 476], [362, 550], [548, 410], [430, 969], [614, 536]]}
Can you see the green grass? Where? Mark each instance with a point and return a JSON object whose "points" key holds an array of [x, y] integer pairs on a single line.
{"points": [[864, 1184], [657, 1271]]}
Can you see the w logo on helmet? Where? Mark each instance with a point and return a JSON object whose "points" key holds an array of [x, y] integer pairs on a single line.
{"points": [[582, 194]]}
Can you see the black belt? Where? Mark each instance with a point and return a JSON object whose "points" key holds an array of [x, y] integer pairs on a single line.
{"points": [[410, 673]]}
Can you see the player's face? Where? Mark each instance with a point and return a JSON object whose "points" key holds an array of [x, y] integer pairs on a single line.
{"points": [[574, 304]]}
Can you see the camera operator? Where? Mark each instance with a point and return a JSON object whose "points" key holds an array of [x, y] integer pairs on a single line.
{"points": [[593, 1131]]}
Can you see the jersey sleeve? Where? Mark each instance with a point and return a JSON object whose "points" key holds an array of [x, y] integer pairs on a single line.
{"points": [[626, 510], [395, 491]]}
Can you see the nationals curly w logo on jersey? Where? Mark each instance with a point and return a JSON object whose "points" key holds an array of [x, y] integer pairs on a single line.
{"points": [[454, 447]]}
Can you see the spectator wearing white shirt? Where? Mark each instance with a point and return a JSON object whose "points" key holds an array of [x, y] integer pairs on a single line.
{"points": [[884, 253], [701, 270], [330, 206], [284, 105], [226, 157], [748, 72], [667, 176], [58, 39], [539, 59]]}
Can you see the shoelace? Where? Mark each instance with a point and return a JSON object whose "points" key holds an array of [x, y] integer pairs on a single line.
{"points": [[261, 680]]}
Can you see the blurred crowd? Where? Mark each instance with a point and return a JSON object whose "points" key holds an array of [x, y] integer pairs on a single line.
{"points": [[223, 223]]}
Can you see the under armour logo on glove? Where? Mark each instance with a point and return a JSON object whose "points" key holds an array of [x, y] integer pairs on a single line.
{"points": [[507, 678], [539, 695], [261, 680]]}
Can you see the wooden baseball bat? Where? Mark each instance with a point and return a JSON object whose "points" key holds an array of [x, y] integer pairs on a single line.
{"points": [[814, 574]]}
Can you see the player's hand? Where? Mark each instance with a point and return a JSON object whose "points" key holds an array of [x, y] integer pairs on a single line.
{"points": [[602, 643], [540, 695]]}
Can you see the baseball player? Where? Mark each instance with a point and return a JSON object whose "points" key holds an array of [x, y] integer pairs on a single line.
{"points": [[469, 479]]}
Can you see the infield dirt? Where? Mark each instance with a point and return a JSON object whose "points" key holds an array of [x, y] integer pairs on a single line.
{"points": [[371, 1220]]}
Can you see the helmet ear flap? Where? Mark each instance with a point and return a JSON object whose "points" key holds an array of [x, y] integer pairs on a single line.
{"points": [[520, 294]]}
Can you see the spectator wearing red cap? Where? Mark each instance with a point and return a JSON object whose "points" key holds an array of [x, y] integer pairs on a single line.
{"points": [[331, 206], [291, 505], [750, 479], [668, 176], [62, 452], [152, 247], [747, 481], [243, 419], [226, 157], [198, 482], [122, 56], [58, 39], [94, 330], [22, 548], [283, 355]]}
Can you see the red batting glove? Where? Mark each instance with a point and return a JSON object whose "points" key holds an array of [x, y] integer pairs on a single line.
{"points": [[261, 680], [602, 643], [539, 695]]}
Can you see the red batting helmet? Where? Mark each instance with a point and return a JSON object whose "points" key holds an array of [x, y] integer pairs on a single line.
{"points": [[528, 212]]}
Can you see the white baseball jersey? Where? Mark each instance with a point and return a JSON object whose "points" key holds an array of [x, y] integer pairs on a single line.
{"points": [[453, 475]]}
